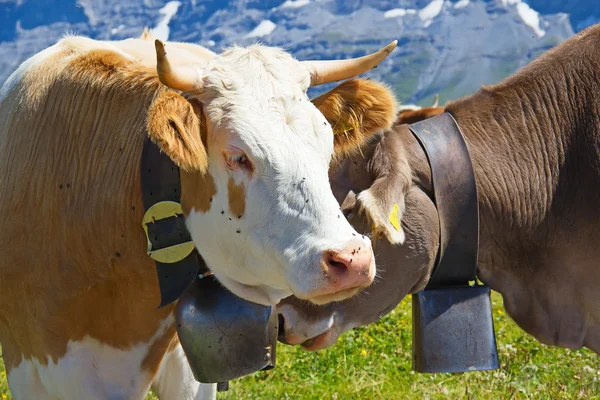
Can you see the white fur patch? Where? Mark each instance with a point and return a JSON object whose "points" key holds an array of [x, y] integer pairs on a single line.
{"points": [[89, 370], [175, 380], [24, 382]]}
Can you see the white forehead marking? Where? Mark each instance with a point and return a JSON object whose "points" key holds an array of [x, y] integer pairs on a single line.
{"points": [[264, 73], [258, 95]]}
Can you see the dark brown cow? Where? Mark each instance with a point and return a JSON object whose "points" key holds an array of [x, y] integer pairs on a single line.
{"points": [[534, 140]]}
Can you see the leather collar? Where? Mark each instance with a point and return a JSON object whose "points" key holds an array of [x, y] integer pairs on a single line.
{"points": [[178, 263], [455, 197]]}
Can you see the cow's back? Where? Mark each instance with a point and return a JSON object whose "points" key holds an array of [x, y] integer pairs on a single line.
{"points": [[74, 268]]}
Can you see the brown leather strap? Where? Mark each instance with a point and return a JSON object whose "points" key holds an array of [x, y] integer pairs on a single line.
{"points": [[161, 182], [455, 196]]}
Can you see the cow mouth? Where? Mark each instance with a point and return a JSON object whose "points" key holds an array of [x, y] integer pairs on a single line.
{"points": [[337, 296], [320, 342]]}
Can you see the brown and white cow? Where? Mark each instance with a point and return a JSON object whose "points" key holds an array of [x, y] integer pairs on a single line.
{"points": [[534, 139], [78, 293]]}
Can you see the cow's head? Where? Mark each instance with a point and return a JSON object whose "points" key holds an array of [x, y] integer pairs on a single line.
{"points": [[368, 186], [254, 154]]}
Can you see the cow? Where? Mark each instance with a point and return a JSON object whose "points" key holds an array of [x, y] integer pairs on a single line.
{"points": [[79, 315], [534, 140]]}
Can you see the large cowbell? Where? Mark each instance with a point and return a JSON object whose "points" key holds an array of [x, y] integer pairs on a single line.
{"points": [[224, 336], [453, 328]]}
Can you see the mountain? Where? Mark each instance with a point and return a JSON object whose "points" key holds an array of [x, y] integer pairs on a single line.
{"points": [[446, 47]]}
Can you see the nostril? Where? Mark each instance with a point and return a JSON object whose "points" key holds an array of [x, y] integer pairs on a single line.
{"points": [[281, 329], [335, 264]]}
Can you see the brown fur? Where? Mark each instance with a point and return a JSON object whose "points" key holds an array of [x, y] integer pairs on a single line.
{"points": [[197, 191], [237, 198], [356, 110], [158, 349], [87, 192], [411, 116], [174, 343], [535, 143], [182, 141]]}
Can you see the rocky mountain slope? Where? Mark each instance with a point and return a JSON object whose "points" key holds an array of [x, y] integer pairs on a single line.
{"points": [[450, 47]]}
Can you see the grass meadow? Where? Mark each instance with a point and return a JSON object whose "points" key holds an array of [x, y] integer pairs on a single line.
{"points": [[374, 362]]}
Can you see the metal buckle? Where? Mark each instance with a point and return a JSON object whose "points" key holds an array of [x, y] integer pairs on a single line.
{"points": [[172, 254]]}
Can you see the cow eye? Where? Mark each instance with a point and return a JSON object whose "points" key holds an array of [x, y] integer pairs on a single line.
{"points": [[236, 160], [239, 158]]}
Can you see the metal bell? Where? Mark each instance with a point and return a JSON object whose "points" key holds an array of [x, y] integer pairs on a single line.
{"points": [[453, 330], [222, 335]]}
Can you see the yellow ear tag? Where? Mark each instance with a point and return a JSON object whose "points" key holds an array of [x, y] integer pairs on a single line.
{"points": [[345, 127], [394, 220]]}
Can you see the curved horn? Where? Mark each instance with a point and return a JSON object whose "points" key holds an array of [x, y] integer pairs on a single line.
{"points": [[184, 78], [437, 98], [335, 70]]}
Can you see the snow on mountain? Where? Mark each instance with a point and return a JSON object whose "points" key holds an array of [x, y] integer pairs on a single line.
{"points": [[161, 31], [450, 47], [398, 12], [431, 11], [294, 3], [265, 28], [529, 16]]}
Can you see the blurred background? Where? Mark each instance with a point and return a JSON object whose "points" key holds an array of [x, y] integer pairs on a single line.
{"points": [[450, 47]]}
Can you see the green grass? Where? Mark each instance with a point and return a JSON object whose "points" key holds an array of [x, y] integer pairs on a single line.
{"points": [[374, 362]]}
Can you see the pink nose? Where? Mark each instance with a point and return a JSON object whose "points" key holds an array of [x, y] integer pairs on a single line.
{"points": [[350, 268]]}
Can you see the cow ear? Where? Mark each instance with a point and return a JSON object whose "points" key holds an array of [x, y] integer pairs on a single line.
{"points": [[357, 109], [174, 126]]}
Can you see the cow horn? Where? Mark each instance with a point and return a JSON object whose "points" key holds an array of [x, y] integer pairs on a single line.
{"points": [[335, 70], [436, 102], [184, 78]]}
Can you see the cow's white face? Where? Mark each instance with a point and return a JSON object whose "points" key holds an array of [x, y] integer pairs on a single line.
{"points": [[263, 215], [401, 269]]}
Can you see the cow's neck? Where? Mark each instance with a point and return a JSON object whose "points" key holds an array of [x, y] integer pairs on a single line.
{"points": [[515, 160], [527, 166]]}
